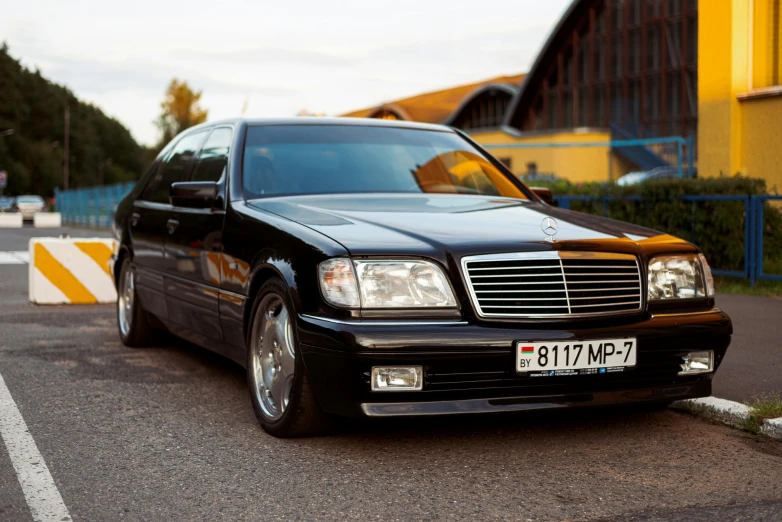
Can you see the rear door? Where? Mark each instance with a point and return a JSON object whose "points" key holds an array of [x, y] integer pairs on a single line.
{"points": [[195, 246], [151, 218]]}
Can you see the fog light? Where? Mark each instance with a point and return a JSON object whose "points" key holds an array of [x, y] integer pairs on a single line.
{"points": [[697, 362], [397, 378]]}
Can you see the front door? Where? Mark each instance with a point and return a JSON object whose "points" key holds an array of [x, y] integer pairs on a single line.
{"points": [[195, 246], [151, 221]]}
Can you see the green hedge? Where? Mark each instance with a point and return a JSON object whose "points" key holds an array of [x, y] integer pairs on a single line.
{"points": [[717, 227]]}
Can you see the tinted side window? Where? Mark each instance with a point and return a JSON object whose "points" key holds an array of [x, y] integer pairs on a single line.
{"points": [[174, 168], [213, 156]]}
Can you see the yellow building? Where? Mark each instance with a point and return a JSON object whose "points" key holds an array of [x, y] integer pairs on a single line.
{"points": [[610, 70], [740, 89]]}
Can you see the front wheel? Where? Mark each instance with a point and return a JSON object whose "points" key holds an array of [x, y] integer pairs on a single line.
{"points": [[280, 391]]}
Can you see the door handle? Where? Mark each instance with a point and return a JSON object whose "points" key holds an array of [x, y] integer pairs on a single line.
{"points": [[134, 217], [172, 224]]}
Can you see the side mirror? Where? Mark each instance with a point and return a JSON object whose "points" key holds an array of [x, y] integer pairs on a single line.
{"points": [[545, 194], [193, 194]]}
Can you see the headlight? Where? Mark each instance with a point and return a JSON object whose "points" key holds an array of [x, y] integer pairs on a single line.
{"points": [[683, 276], [385, 284]]}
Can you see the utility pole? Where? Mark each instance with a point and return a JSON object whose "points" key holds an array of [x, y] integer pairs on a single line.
{"points": [[102, 165], [66, 159]]}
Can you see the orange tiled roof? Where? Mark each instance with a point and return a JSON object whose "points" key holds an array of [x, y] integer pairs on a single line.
{"points": [[435, 106]]}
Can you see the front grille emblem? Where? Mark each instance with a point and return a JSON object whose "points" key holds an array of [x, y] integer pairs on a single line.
{"points": [[549, 227]]}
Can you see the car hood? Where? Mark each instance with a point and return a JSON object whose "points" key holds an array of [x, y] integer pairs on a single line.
{"points": [[432, 223]]}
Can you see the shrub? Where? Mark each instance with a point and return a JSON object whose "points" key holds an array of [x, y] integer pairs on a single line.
{"points": [[717, 227]]}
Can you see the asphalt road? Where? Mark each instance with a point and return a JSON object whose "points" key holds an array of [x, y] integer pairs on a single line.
{"points": [[15, 239], [168, 433], [753, 364]]}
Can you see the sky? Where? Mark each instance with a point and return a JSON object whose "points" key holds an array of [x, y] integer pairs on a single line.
{"points": [[277, 58]]}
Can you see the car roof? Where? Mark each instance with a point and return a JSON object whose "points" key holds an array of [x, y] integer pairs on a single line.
{"points": [[309, 120]]}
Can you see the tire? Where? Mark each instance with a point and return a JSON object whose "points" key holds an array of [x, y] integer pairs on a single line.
{"points": [[132, 321], [287, 406]]}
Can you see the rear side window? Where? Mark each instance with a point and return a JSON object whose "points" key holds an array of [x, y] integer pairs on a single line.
{"points": [[213, 156], [174, 168]]}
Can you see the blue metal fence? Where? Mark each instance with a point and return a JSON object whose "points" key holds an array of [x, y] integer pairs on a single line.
{"points": [[92, 206], [753, 227]]}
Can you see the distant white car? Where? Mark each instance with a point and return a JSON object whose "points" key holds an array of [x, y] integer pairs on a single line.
{"points": [[634, 178], [29, 205]]}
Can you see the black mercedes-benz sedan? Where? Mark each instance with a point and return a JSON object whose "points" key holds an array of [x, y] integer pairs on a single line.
{"points": [[373, 268]]}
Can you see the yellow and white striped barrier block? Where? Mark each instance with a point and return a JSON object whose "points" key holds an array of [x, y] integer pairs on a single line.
{"points": [[71, 271]]}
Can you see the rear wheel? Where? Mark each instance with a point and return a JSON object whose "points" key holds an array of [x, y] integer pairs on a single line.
{"points": [[280, 391], [134, 327]]}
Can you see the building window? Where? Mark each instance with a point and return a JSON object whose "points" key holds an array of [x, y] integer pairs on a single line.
{"points": [[766, 44], [507, 162], [485, 111]]}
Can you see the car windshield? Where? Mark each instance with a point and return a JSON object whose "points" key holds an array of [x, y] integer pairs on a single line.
{"points": [[29, 199], [318, 159]]}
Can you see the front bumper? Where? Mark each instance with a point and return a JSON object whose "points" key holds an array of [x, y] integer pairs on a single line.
{"points": [[469, 367], [659, 394]]}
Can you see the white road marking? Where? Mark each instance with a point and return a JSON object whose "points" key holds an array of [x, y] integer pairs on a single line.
{"points": [[22, 255], [37, 483], [14, 258]]}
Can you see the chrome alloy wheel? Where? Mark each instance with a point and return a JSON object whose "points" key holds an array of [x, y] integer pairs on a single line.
{"points": [[125, 300], [273, 356]]}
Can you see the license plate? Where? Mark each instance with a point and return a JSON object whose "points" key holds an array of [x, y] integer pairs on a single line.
{"points": [[554, 358]]}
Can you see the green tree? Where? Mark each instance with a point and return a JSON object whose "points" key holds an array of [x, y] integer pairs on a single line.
{"points": [[35, 107], [180, 111]]}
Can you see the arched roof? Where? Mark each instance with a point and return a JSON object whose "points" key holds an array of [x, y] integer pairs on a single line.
{"points": [[531, 83], [436, 106], [398, 111], [476, 94]]}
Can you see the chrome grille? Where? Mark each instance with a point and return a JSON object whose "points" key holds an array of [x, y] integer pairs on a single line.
{"points": [[553, 284]]}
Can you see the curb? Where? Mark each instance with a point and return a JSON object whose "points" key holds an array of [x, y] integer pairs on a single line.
{"points": [[772, 428], [728, 412]]}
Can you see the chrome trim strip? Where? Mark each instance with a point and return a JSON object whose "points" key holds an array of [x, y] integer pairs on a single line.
{"points": [[677, 314], [564, 280], [538, 291], [370, 322], [232, 294], [553, 274], [565, 270], [185, 280], [603, 304], [526, 298], [602, 296], [538, 283], [598, 274], [516, 267], [600, 282], [414, 409]]}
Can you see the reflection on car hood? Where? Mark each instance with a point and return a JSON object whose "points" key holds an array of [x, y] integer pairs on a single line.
{"points": [[427, 222]]}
